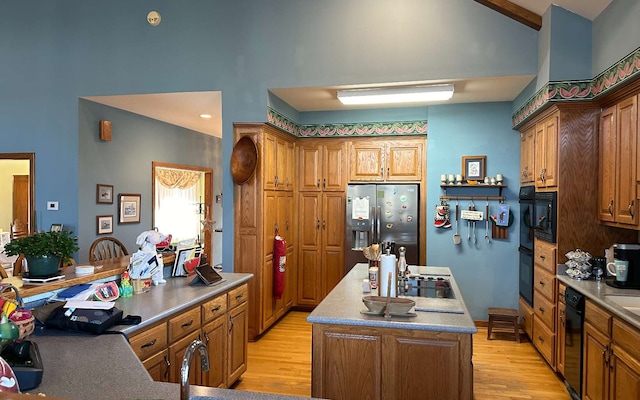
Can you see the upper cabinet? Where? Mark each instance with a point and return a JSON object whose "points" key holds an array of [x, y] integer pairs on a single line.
{"points": [[387, 160], [618, 173], [546, 152], [279, 160], [527, 151], [322, 165]]}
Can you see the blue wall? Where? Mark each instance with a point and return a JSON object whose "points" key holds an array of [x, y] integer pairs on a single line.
{"points": [[487, 274], [570, 53], [616, 33]]}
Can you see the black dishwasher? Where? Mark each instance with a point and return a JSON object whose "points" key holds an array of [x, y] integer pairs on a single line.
{"points": [[573, 342]]}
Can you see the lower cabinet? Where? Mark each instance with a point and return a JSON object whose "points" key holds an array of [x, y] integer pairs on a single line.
{"points": [[221, 323], [611, 357], [526, 317], [382, 364]]}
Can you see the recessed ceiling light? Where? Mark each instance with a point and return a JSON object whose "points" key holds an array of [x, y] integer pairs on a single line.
{"points": [[205, 116], [396, 95]]}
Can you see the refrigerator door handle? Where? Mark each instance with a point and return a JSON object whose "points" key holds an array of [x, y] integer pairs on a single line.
{"points": [[372, 238], [378, 216]]}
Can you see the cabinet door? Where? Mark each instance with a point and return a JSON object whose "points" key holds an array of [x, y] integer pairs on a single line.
{"points": [[367, 162], [289, 175], [309, 269], [404, 162], [625, 376], [158, 366], [561, 338], [269, 161], [334, 167], [526, 315], [607, 164], [238, 335], [176, 354], [214, 335], [309, 167], [595, 367], [333, 211], [527, 142], [551, 152], [626, 207]]}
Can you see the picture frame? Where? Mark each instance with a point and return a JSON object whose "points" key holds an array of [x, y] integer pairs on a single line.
{"points": [[56, 228], [474, 167], [129, 208], [104, 194], [104, 224]]}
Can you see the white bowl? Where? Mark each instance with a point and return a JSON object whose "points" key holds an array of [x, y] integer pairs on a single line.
{"points": [[85, 269]]}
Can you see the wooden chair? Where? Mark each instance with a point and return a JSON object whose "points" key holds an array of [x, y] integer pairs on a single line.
{"points": [[106, 248], [18, 229]]}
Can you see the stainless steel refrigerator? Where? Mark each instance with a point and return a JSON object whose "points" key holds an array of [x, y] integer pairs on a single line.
{"points": [[379, 213]]}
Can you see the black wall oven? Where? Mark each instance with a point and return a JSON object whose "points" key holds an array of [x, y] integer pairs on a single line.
{"points": [[525, 250], [546, 216]]}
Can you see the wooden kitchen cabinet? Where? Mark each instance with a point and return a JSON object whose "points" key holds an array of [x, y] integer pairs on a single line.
{"points": [[321, 239], [214, 335], [546, 152], [158, 366], [561, 333], [381, 364], [527, 151], [176, 354], [278, 160], [322, 165], [238, 336], [526, 317], [544, 300], [386, 160], [618, 174]]}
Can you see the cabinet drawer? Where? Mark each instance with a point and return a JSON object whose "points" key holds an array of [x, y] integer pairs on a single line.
{"points": [[238, 296], [212, 309], [545, 341], [544, 310], [184, 323], [599, 318], [545, 255], [544, 282], [150, 341], [526, 316], [626, 337]]}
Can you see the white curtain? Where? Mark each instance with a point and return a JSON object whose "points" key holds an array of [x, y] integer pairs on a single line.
{"points": [[176, 211]]}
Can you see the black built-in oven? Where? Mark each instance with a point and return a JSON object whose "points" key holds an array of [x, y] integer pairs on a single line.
{"points": [[527, 214], [546, 216]]}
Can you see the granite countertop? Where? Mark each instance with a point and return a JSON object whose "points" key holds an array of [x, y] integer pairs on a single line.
{"points": [[598, 292], [343, 304], [83, 366]]}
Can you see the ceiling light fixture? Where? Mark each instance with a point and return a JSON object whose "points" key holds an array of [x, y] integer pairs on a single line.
{"points": [[411, 94], [205, 116]]}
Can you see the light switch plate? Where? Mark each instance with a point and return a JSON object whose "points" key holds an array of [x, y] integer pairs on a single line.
{"points": [[52, 205]]}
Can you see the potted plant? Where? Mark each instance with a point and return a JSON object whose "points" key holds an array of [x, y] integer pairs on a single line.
{"points": [[44, 251]]}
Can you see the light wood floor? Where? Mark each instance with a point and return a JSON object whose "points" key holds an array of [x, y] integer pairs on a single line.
{"points": [[280, 363]]}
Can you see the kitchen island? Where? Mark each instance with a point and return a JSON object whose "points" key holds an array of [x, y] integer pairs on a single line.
{"points": [[425, 356]]}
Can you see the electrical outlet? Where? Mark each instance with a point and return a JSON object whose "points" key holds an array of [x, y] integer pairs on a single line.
{"points": [[52, 205]]}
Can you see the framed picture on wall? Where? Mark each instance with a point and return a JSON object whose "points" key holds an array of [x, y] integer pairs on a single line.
{"points": [[474, 167], [56, 228], [129, 208], [104, 224], [104, 194]]}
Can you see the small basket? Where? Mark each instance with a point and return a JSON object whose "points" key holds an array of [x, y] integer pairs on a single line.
{"points": [[141, 285], [20, 316]]}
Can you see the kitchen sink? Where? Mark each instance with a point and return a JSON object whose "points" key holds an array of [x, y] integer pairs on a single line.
{"points": [[628, 302]]}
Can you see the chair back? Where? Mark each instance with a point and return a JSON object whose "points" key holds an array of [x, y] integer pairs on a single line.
{"points": [[18, 229], [106, 248]]}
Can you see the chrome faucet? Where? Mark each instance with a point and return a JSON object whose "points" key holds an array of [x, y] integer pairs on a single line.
{"points": [[186, 361]]}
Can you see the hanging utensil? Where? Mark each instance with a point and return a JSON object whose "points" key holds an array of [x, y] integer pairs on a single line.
{"points": [[456, 236], [486, 223]]}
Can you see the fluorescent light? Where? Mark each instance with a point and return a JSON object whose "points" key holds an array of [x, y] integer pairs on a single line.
{"points": [[411, 94], [205, 116]]}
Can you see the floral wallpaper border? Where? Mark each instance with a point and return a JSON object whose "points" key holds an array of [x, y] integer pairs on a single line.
{"points": [[623, 71], [345, 130]]}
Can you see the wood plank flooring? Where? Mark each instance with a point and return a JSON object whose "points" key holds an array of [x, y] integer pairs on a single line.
{"points": [[280, 362]]}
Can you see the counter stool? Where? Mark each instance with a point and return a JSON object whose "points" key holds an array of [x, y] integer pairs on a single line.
{"points": [[503, 318]]}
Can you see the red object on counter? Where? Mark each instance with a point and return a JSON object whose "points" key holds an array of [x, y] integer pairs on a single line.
{"points": [[279, 264]]}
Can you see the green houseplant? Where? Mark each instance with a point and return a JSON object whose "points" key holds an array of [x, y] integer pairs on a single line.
{"points": [[44, 251]]}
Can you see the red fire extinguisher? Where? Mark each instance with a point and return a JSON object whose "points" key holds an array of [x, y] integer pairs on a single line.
{"points": [[279, 263]]}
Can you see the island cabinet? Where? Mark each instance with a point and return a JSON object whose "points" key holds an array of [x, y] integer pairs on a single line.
{"points": [[221, 323], [264, 205], [618, 176], [611, 356], [378, 160], [350, 362], [527, 151]]}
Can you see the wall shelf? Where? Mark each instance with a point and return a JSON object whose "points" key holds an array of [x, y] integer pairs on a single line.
{"points": [[476, 196]]}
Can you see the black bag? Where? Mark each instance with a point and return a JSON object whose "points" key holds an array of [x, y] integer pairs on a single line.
{"points": [[83, 319]]}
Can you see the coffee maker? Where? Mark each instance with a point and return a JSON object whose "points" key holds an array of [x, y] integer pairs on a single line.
{"points": [[629, 252]]}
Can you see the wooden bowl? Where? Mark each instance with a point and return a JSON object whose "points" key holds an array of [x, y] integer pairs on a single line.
{"points": [[244, 160], [397, 305]]}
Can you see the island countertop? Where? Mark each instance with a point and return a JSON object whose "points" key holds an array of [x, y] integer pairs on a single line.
{"points": [[343, 304]]}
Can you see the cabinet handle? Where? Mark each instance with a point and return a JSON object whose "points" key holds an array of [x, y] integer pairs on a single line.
{"points": [[324, 183], [541, 283], [149, 344], [187, 324], [540, 338], [324, 224], [318, 224], [168, 364], [381, 171], [230, 324], [239, 296], [541, 309], [605, 355], [318, 184], [287, 224], [206, 338], [611, 207], [630, 208], [215, 309], [542, 257]]}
